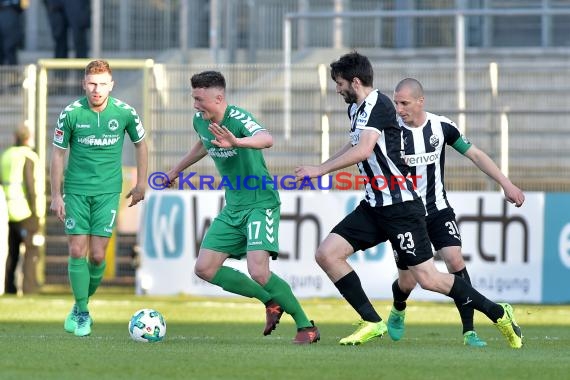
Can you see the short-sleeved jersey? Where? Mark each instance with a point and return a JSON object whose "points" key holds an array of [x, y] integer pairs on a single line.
{"points": [[95, 140], [424, 148], [385, 165], [245, 178]]}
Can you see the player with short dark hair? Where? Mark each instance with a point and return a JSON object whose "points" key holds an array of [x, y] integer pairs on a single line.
{"points": [[92, 129], [425, 137], [394, 213], [248, 225]]}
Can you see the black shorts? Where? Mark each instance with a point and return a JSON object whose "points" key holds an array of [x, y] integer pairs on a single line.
{"points": [[403, 224], [442, 229]]}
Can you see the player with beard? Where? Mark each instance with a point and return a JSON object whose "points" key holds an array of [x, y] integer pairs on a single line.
{"points": [[390, 211]]}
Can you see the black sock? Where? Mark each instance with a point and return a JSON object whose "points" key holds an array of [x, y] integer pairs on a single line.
{"points": [[465, 312], [351, 289], [399, 296], [465, 294]]}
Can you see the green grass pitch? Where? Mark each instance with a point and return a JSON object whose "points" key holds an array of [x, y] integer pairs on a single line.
{"points": [[221, 338]]}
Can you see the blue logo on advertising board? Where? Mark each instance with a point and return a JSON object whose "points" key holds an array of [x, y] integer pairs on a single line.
{"points": [[556, 266], [164, 226]]}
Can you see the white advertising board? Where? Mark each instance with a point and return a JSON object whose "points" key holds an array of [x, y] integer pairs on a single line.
{"points": [[502, 244]]}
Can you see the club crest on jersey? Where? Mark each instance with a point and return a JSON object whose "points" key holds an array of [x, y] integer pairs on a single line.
{"points": [[434, 141], [113, 125], [70, 223]]}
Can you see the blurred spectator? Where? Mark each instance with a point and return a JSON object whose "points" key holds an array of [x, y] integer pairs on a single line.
{"points": [[65, 15], [3, 235], [11, 30], [19, 172]]}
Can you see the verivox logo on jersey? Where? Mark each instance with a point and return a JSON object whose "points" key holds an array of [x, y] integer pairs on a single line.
{"points": [[421, 159]]}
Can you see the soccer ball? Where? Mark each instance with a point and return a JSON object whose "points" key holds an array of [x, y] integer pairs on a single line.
{"points": [[147, 325]]}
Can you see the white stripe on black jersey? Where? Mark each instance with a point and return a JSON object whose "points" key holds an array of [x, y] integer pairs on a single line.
{"points": [[424, 152], [377, 113]]}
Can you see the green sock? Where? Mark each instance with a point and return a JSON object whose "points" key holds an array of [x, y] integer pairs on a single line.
{"points": [[95, 276], [79, 280], [234, 281], [281, 292]]}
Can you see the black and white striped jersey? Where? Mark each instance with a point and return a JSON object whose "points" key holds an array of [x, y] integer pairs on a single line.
{"points": [[424, 152], [385, 169]]}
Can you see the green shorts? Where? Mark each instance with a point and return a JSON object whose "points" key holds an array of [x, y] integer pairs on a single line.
{"points": [[91, 214], [237, 232]]}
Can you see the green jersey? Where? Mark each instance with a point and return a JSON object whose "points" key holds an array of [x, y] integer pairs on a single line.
{"points": [[245, 177], [96, 141]]}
